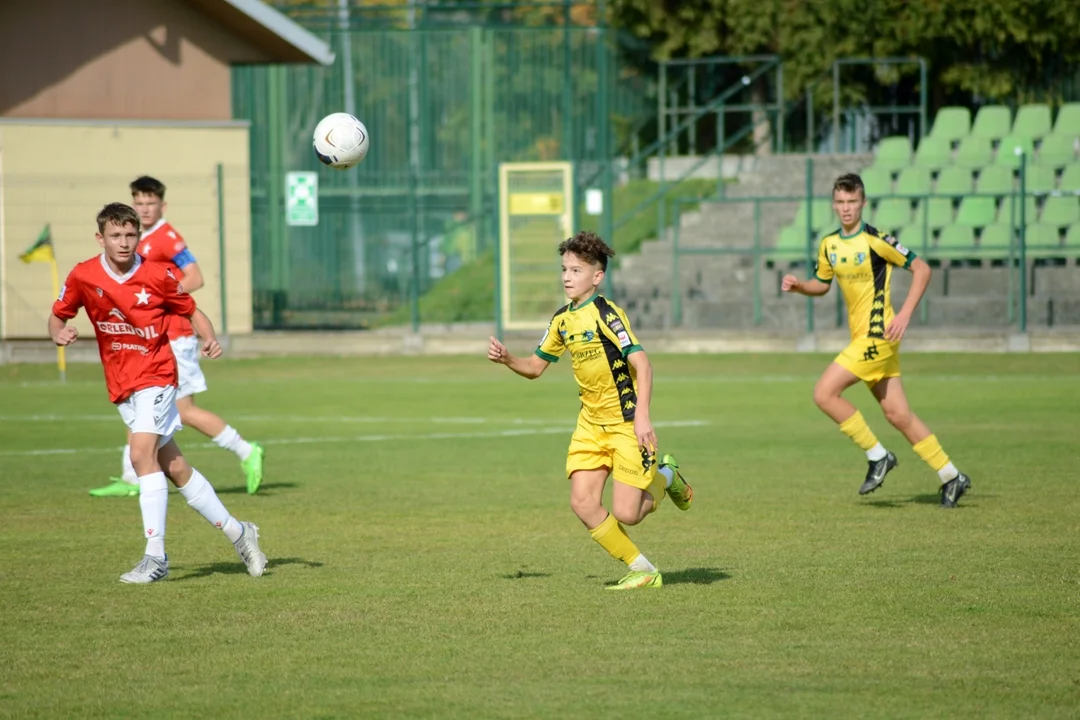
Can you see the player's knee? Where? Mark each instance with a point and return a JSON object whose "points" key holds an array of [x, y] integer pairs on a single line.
{"points": [[899, 418], [583, 504], [823, 395], [627, 515], [143, 460]]}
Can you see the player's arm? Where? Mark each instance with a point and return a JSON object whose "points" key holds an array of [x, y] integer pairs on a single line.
{"points": [[205, 330], [193, 277], [530, 367], [60, 333], [920, 280], [643, 429], [812, 287], [66, 307]]}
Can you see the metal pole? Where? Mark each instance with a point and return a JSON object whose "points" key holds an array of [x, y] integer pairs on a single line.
{"points": [[692, 107], [779, 107], [924, 309], [604, 135], [275, 185], [223, 283], [1023, 242], [352, 179], [757, 262], [806, 238], [922, 99], [836, 106], [809, 120], [568, 88], [476, 129], [676, 292], [414, 167]]}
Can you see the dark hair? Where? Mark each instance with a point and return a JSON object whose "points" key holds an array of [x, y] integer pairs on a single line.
{"points": [[147, 185], [849, 183], [118, 214], [588, 246]]}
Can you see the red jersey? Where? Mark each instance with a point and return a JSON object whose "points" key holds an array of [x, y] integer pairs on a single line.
{"points": [[129, 313], [161, 243]]}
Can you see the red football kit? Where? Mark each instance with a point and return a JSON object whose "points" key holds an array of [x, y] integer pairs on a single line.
{"points": [[162, 243], [129, 313]]}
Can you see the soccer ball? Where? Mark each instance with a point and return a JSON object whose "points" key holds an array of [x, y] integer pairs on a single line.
{"points": [[341, 141]]}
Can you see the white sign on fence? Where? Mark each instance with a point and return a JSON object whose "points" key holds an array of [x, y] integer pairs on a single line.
{"points": [[301, 198]]}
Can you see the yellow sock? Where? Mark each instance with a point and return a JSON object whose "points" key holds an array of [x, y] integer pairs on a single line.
{"points": [[931, 453], [855, 427], [613, 538]]}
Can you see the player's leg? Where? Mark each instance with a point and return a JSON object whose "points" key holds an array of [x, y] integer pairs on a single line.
{"points": [[848, 368], [192, 381], [200, 495], [127, 485], [894, 403], [638, 490], [148, 414], [680, 492]]}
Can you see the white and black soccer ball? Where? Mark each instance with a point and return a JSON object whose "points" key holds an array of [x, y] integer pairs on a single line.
{"points": [[341, 141]]}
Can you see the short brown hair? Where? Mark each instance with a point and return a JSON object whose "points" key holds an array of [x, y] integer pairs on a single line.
{"points": [[118, 214], [147, 185], [849, 183], [588, 246]]}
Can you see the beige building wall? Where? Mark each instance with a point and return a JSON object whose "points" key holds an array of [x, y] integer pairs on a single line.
{"points": [[62, 173], [137, 59]]}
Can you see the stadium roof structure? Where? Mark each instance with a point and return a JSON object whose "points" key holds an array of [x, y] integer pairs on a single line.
{"points": [[268, 29]]}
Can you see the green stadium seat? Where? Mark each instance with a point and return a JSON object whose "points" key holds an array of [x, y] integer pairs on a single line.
{"points": [[1041, 241], [976, 212], [913, 237], [913, 181], [1011, 145], [1010, 211], [956, 242], [1068, 121], [933, 153], [823, 215], [1032, 121], [1039, 179], [995, 240], [996, 180], [1056, 151], [1072, 239], [974, 153], [938, 211], [992, 122], [951, 123], [877, 182], [954, 181], [791, 244], [1070, 180], [1060, 211], [892, 214], [893, 153]]}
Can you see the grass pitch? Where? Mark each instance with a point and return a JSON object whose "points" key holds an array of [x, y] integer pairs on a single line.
{"points": [[424, 561]]}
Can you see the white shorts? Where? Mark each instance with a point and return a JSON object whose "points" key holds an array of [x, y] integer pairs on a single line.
{"points": [[192, 380], [152, 410]]}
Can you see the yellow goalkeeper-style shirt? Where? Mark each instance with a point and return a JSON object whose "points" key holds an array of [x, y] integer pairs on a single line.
{"points": [[599, 339], [862, 264]]}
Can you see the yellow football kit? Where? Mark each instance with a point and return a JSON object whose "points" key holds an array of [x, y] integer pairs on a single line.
{"points": [[599, 339], [862, 264]]}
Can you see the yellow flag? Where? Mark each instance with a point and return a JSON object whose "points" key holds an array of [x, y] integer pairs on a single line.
{"points": [[40, 251]]}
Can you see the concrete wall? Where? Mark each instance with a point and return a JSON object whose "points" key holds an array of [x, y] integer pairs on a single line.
{"points": [[62, 173]]}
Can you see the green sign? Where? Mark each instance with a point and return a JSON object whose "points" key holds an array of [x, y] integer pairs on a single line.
{"points": [[301, 198]]}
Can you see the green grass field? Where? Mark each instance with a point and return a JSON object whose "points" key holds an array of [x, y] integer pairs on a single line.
{"points": [[424, 561]]}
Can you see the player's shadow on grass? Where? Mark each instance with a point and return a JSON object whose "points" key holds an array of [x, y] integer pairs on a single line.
{"points": [[695, 576], [240, 489], [238, 568], [523, 575], [924, 499]]}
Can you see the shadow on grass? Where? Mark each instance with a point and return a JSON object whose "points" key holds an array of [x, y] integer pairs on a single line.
{"points": [[523, 574], [924, 499], [242, 489], [688, 576], [238, 568]]}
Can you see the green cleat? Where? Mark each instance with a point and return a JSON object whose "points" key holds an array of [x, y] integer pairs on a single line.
{"points": [[636, 580], [118, 488], [680, 491], [253, 468]]}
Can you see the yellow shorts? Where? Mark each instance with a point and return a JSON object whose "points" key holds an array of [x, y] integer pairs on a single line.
{"points": [[614, 447], [871, 359]]}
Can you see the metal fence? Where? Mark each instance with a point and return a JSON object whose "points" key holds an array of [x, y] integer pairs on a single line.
{"points": [[444, 105]]}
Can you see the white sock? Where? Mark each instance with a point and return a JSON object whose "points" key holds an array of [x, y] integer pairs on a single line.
{"points": [[229, 439], [668, 474], [154, 503], [876, 453], [200, 495], [948, 473], [642, 564], [129, 475]]}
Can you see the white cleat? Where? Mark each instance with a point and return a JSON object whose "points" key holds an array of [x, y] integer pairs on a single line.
{"points": [[247, 547], [150, 569]]}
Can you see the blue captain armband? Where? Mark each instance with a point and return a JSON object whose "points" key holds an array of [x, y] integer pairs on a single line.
{"points": [[183, 258]]}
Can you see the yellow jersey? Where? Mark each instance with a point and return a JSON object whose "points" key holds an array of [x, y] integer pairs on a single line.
{"points": [[599, 339], [862, 264]]}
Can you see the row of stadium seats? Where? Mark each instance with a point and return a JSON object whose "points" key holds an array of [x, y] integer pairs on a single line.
{"points": [[993, 180], [994, 139]]}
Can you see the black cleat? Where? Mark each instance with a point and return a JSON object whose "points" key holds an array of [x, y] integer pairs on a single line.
{"points": [[952, 490], [875, 474]]}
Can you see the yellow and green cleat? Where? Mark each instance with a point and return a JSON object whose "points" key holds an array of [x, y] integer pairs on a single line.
{"points": [[253, 468], [679, 491], [638, 580], [118, 488]]}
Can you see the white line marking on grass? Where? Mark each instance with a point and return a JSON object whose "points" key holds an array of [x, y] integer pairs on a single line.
{"points": [[357, 419], [519, 432]]}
